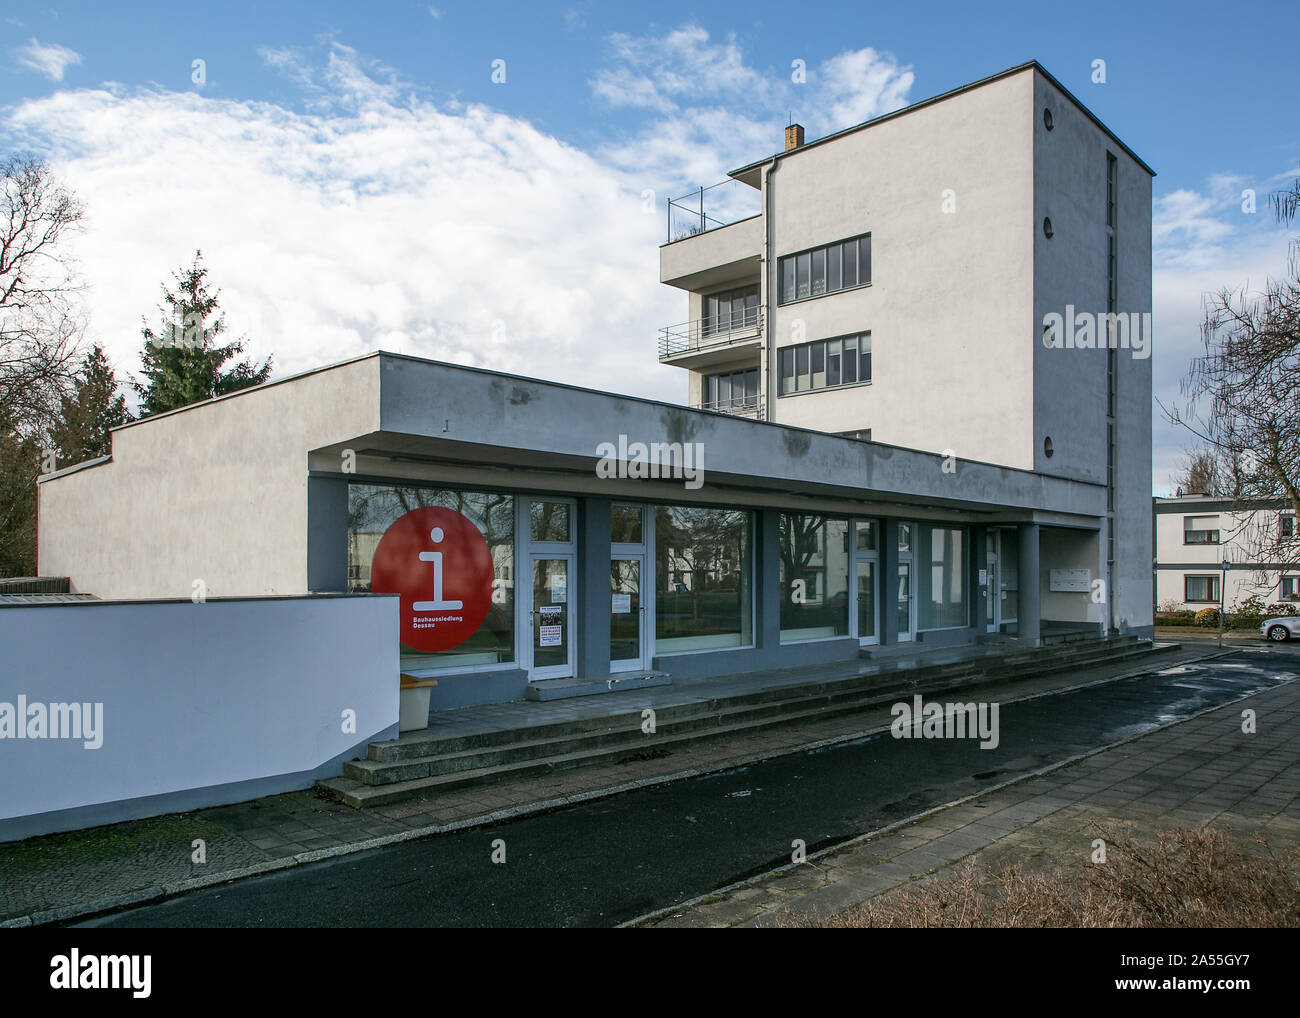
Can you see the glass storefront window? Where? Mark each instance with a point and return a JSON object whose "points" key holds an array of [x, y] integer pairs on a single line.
{"points": [[814, 577], [940, 577], [373, 508], [703, 596], [549, 521], [625, 525], [865, 535], [905, 537]]}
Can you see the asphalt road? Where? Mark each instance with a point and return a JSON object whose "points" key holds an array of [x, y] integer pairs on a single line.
{"points": [[604, 862]]}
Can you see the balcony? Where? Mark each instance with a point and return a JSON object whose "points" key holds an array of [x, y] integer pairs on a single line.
{"points": [[707, 342], [714, 235], [753, 407]]}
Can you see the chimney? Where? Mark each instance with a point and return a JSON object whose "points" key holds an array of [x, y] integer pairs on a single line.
{"points": [[793, 137]]}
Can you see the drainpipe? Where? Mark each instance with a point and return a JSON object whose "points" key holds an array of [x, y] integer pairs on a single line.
{"points": [[769, 305]]}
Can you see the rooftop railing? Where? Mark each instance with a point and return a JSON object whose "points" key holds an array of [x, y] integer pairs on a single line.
{"points": [[708, 208]]}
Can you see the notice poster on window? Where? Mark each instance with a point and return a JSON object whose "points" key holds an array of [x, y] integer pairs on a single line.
{"points": [[550, 632], [560, 588], [620, 604]]}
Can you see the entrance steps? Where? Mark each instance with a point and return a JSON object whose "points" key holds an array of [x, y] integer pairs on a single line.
{"points": [[421, 763]]}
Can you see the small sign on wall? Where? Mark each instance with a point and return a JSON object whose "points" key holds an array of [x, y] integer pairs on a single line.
{"points": [[1070, 580], [620, 604]]}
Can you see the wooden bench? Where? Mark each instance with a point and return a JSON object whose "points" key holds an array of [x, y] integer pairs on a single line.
{"points": [[415, 682]]}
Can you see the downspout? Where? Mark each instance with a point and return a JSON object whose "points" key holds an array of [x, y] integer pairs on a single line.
{"points": [[769, 303]]}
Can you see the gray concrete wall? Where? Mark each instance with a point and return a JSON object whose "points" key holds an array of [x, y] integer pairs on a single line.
{"points": [[201, 703]]}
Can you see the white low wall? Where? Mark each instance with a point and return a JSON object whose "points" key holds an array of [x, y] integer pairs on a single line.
{"points": [[200, 704]]}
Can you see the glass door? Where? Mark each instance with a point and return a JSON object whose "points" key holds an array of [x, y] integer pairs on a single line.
{"points": [[993, 610], [865, 595], [627, 629], [904, 601], [551, 619]]}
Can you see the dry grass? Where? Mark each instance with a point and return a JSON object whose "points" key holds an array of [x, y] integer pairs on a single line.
{"points": [[1183, 879]]}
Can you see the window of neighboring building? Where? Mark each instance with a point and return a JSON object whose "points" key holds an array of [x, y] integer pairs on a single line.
{"points": [[1286, 525], [1200, 530], [731, 310], [825, 364], [1291, 588], [373, 508], [1199, 589], [731, 390], [840, 266], [940, 565], [703, 592], [814, 577]]}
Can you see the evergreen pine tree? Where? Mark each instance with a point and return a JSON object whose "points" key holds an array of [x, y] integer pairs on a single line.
{"points": [[182, 362]]}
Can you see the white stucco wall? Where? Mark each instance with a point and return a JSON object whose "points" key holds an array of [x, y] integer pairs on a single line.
{"points": [[212, 702], [215, 493], [950, 293]]}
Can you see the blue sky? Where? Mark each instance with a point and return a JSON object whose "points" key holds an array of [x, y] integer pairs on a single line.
{"points": [[356, 178]]}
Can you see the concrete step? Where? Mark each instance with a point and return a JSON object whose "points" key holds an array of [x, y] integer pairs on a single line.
{"points": [[614, 738], [625, 729], [903, 676]]}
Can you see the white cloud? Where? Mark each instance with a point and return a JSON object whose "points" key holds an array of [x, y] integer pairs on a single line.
{"points": [[711, 111], [371, 220], [50, 61]]}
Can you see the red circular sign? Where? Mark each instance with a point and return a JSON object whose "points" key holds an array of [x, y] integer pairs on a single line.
{"points": [[441, 566]]}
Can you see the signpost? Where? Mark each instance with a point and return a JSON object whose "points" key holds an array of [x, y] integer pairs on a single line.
{"points": [[1223, 584]]}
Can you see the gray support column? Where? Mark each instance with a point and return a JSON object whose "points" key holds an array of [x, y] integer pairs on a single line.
{"points": [[889, 582], [978, 592], [767, 569], [1029, 610], [593, 587], [327, 534]]}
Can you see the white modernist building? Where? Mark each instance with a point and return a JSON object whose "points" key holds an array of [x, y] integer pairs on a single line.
{"points": [[911, 437], [970, 275], [1196, 534]]}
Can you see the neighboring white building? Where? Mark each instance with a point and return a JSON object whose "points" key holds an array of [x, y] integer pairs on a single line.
{"points": [[1196, 534], [895, 280]]}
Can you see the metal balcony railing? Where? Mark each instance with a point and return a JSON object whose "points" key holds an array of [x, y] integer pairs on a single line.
{"points": [[708, 208], [704, 333], [754, 407]]}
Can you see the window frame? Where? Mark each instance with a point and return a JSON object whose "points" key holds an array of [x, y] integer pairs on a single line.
{"points": [[807, 360], [804, 287]]}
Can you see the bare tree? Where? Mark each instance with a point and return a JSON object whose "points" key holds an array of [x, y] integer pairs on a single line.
{"points": [[40, 332], [1244, 405], [1198, 473], [39, 326]]}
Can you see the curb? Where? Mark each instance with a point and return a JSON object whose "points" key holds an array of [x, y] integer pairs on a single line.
{"points": [[160, 892]]}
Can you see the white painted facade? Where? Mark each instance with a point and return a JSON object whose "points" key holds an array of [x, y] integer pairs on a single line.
{"points": [[1195, 534]]}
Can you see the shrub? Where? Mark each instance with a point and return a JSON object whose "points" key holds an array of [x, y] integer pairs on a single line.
{"points": [[1282, 609], [1175, 618], [1188, 879], [1249, 613], [1208, 617]]}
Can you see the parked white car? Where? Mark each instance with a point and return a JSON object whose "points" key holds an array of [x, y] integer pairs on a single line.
{"points": [[1280, 630]]}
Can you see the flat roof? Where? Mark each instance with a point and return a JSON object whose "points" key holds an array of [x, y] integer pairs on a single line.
{"points": [[1030, 65]]}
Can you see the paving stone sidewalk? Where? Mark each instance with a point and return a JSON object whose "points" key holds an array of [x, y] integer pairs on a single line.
{"points": [[1200, 771], [61, 876]]}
